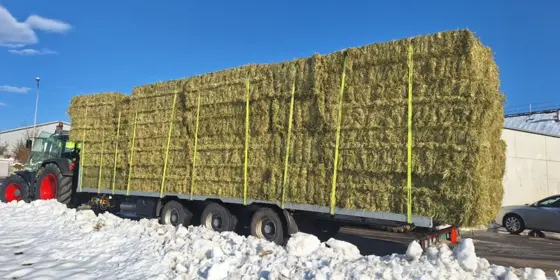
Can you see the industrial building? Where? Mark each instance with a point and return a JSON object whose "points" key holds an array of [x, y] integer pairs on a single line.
{"points": [[12, 136], [532, 157]]}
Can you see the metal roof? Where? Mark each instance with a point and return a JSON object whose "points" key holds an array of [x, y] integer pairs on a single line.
{"points": [[31, 126], [544, 122]]}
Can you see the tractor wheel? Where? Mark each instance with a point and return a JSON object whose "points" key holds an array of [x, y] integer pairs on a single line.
{"points": [[14, 188], [51, 184]]}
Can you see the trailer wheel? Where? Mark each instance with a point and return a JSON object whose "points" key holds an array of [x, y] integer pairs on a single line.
{"points": [[218, 218], [14, 188], [267, 224], [174, 213], [51, 184]]}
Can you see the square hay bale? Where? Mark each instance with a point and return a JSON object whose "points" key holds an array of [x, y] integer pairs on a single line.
{"points": [[153, 105], [458, 156], [457, 119], [95, 123]]}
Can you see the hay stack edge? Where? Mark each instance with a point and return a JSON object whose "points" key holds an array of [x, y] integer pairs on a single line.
{"points": [[458, 158]]}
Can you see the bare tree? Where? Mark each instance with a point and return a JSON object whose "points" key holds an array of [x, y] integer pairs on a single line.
{"points": [[20, 151], [3, 149], [30, 133]]}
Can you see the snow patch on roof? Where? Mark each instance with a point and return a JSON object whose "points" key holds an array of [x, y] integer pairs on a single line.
{"points": [[541, 123]]}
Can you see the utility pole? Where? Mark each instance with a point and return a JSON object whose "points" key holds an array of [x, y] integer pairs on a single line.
{"points": [[36, 105]]}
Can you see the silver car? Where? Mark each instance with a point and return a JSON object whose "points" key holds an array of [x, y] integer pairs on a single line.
{"points": [[543, 215]]}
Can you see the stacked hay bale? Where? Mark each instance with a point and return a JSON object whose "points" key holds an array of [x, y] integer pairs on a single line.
{"points": [[157, 107], [458, 157], [222, 128], [222, 131], [95, 123]]}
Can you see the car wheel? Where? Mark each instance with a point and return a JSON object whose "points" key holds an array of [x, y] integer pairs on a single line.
{"points": [[514, 224]]}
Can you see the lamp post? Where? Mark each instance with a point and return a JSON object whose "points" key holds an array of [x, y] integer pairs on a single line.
{"points": [[36, 105]]}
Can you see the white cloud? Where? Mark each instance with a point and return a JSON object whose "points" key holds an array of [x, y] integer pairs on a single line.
{"points": [[3, 104], [46, 24], [14, 32], [13, 89], [18, 34], [32, 52], [15, 46]]}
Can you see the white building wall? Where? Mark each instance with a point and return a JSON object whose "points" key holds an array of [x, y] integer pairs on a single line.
{"points": [[532, 167], [11, 137]]}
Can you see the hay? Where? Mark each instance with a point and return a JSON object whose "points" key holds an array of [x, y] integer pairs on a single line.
{"points": [[95, 122], [458, 157]]}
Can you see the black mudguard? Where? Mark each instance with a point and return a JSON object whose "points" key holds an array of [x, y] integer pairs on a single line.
{"points": [[62, 163], [28, 176], [291, 223]]}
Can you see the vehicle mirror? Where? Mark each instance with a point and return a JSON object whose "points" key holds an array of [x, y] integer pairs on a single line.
{"points": [[28, 144]]}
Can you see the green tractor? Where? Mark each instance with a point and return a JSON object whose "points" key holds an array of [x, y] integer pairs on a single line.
{"points": [[49, 172]]}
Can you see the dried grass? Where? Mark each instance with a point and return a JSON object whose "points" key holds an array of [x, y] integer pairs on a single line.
{"points": [[458, 157]]}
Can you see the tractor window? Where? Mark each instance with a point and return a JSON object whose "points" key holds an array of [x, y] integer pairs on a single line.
{"points": [[45, 148]]}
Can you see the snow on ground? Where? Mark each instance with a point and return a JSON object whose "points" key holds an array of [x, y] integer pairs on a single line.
{"points": [[46, 240]]}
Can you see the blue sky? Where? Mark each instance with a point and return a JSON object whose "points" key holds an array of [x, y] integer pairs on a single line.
{"points": [[80, 47]]}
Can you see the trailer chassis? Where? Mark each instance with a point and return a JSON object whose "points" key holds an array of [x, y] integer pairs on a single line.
{"points": [[291, 219]]}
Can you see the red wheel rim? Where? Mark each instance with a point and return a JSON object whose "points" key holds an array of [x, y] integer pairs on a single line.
{"points": [[47, 189], [12, 192]]}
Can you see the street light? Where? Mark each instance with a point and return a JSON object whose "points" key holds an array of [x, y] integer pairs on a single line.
{"points": [[36, 105]]}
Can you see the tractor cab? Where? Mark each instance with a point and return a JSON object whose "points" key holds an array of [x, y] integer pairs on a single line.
{"points": [[49, 145]]}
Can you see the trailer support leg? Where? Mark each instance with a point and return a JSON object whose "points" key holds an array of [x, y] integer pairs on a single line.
{"points": [[449, 234]]}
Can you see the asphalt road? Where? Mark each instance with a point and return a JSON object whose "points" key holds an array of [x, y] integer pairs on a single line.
{"points": [[498, 248]]}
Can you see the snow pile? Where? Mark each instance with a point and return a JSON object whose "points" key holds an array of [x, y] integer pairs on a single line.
{"points": [[344, 248], [302, 245], [46, 240], [466, 255], [414, 251]]}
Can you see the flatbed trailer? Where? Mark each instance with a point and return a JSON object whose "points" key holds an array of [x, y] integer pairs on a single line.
{"points": [[263, 219]]}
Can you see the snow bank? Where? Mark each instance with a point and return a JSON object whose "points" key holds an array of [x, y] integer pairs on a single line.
{"points": [[466, 255], [414, 251], [46, 240]]}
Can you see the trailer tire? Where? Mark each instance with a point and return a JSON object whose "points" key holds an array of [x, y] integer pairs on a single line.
{"points": [[174, 213], [14, 188], [51, 184], [267, 224], [218, 218]]}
